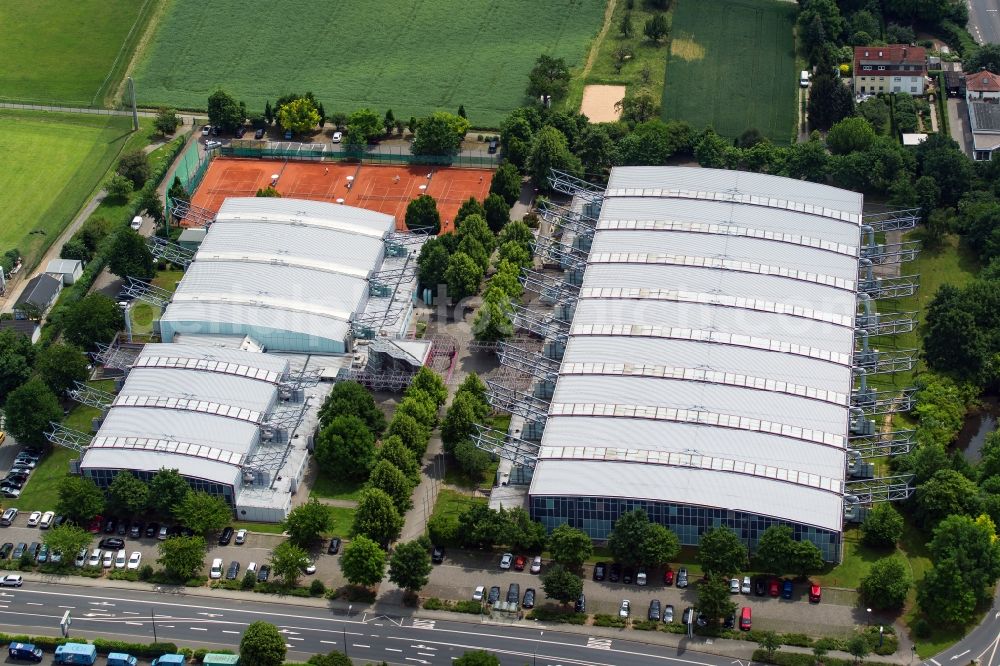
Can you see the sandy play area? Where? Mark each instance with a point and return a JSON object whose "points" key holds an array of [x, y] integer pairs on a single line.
{"points": [[599, 103]]}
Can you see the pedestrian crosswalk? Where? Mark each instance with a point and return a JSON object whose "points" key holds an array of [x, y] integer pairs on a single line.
{"points": [[423, 624], [599, 643]]}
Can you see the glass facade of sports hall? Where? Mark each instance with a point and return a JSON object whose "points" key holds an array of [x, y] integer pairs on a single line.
{"points": [[597, 515], [104, 477]]}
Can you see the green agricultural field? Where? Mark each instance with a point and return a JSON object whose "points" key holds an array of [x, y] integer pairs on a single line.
{"points": [[68, 53], [51, 162], [732, 67], [408, 55]]}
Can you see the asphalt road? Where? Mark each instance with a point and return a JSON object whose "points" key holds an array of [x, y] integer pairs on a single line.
{"points": [[980, 643], [984, 20], [129, 615]]}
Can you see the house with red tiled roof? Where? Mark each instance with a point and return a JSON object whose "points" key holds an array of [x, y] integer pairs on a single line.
{"points": [[982, 86], [896, 68]]}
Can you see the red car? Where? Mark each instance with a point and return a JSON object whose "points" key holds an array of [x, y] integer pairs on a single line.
{"points": [[774, 587], [519, 562], [668, 576], [815, 593], [95, 525]]}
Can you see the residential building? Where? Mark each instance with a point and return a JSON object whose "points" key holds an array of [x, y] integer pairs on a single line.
{"points": [[982, 86], [38, 296], [984, 121], [67, 270], [896, 68], [29, 329]]}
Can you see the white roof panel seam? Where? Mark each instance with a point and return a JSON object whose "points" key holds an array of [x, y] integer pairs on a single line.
{"points": [[282, 260], [299, 220], [262, 301]]}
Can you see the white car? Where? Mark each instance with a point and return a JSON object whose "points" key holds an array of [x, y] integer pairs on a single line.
{"points": [[12, 580], [206, 130], [734, 585], [47, 519], [216, 571], [337, 137], [121, 559], [109, 559], [626, 609], [506, 560], [640, 577], [478, 594], [251, 568], [34, 518], [95, 558], [81, 557], [310, 567], [212, 145], [241, 537], [133, 560], [136, 223], [536, 564], [746, 585]]}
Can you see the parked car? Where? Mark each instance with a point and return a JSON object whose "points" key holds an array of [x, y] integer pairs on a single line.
{"points": [[519, 562], [5, 550], [81, 558], [263, 574], [334, 546], [734, 586], [437, 555], [760, 586], [310, 567], [112, 543], [163, 533], [640, 576], [686, 616], [122, 528], [212, 145], [215, 572], [628, 575], [654, 611], [682, 577], [109, 559], [43, 554], [529, 598], [786, 589], [10, 493], [494, 595], [668, 576], [668, 613], [34, 518], [513, 593], [33, 549], [774, 587], [815, 593], [8, 517], [600, 571], [745, 588], [110, 525], [746, 620], [506, 560], [478, 593], [241, 537], [536, 564], [233, 571], [12, 580], [215, 130], [134, 560], [135, 530], [615, 572], [252, 568], [18, 551], [337, 137], [492, 147], [240, 131], [625, 609], [225, 536], [288, 135], [581, 604], [206, 130], [95, 558], [152, 529], [121, 559], [259, 134], [12, 483]]}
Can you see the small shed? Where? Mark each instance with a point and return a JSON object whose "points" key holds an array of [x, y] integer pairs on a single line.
{"points": [[914, 139], [29, 329], [38, 296], [954, 83], [67, 270]]}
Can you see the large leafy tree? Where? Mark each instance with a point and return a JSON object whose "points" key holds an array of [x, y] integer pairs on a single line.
{"points": [[850, 135], [166, 121], [775, 550], [549, 77], [422, 215], [365, 124], [635, 540], [388, 478], [462, 276], [182, 557], [944, 494], [307, 522], [31, 409], [300, 115], [130, 257], [562, 584], [570, 546], [17, 355], [167, 489], [432, 264], [67, 539], [429, 382], [830, 101], [351, 398], [345, 448], [288, 561], [972, 545], [714, 599], [477, 658], [395, 452], [135, 166], [363, 562], [410, 566], [202, 513], [523, 533], [476, 227], [441, 133], [507, 183], [94, 318], [886, 584], [494, 318], [459, 422], [60, 366], [497, 212], [943, 595], [986, 56], [721, 552], [377, 517], [128, 495], [952, 339], [411, 433], [550, 150], [882, 527], [79, 498], [262, 645], [224, 111]]}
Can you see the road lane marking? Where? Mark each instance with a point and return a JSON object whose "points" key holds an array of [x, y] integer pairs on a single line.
{"points": [[33, 603], [961, 654], [419, 661], [360, 645], [599, 643], [393, 650], [292, 638], [423, 624], [329, 642], [67, 607], [935, 661], [197, 628], [427, 654], [137, 624], [228, 631]]}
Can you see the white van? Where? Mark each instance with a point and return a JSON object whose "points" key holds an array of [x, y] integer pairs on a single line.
{"points": [[216, 571], [120, 559], [136, 223], [47, 519], [804, 79]]}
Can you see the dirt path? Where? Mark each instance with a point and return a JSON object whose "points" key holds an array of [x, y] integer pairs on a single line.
{"points": [[595, 48]]}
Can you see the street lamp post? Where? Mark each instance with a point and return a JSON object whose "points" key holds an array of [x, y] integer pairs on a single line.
{"points": [[869, 616], [534, 654], [349, 607], [152, 619]]}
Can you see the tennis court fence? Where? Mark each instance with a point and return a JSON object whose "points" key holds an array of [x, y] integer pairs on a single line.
{"points": [[318, 152]]}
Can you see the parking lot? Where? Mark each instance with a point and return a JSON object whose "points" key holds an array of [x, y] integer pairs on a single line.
{"points": [[837, 613]]}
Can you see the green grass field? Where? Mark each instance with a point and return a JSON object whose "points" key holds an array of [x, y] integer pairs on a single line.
{"points": [[732, 67], [51, 163], [408, 55], [68, 53]]}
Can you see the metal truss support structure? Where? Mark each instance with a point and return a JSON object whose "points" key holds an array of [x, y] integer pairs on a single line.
{"points": [[528, 362], [117, 355], [541, 324], [175, 253], [550, 289], [884, 402], [877, 362], [562, 182], [894, 443], [894, 220], [567, 256], [367, 326], [494, 345], [562, 217], [193, 215], [146, 292], [880, 489], [891, 253], [889, 287], [889, 323], [381, 380], [86, 394], [515, 401], [406, 238], [518, 451], [68, 438]]}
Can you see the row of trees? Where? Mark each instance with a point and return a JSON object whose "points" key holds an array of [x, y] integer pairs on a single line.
{"points": [[468, 407]]}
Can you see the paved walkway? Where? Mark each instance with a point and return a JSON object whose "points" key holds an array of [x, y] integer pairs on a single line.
{"points": [[187, 119]]}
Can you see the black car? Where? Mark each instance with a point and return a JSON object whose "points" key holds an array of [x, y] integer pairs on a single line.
{"points": [[110, 526], [112, 543], [33, 549], [135, 530], [263, 573], [18, 551], [628, 576], [529, 598], [226, 536], [437, 555], [59, 520], [600, 571], [152, 530], [215, 130], [123, 528], [494, 595], [730, 621], [686, 616], [259, 134], [760, 586], [492, 148], [513, 593], [581, 604], [175, 531], [12, 484], [5, 550], [240, 131], [334, 546], [654, 611], [615, 573], [233, 571]]}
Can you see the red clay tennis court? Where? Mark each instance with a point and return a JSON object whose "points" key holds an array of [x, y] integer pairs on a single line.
{"points": [[386, 189]]}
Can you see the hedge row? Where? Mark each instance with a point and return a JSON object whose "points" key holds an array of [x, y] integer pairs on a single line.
{"points": [[800, 659], [601, 620], [103, 645], [469, 607], [554, 615], [959, 38]]}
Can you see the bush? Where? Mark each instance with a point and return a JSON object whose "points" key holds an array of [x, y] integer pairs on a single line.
{"points": [[557, 615], [317, 588], [646, 625], [122, 574], [799, 659], [601, 620], [467, 606], [798, 640], [105, 646], [145, 572]]}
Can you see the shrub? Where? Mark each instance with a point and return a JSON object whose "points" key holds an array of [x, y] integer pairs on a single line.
{"points": [[646, 625], [601, 620], [145, 572], [317, 588], [557, 615]]}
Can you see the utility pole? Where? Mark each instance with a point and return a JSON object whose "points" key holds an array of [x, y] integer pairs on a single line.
{"points": [[135, 111], [153, 620]]}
